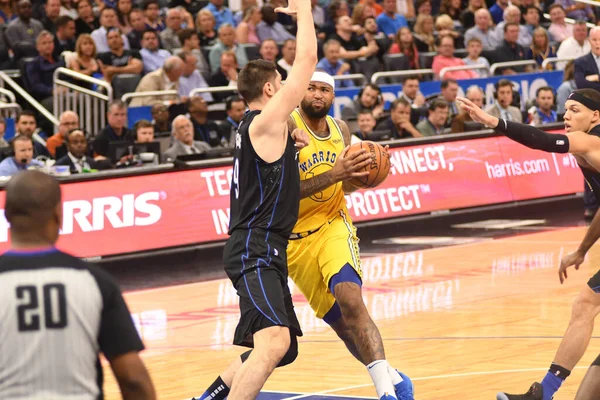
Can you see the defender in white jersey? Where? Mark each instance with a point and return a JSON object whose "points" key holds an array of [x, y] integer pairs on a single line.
{"points": [[57, 312]]}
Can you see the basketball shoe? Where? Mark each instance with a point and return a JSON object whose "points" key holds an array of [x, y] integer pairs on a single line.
{"points": [[535, 392], [387, 397], [405, 389]]}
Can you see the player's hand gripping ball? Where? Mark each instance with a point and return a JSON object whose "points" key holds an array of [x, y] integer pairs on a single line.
{"points": [[378, 169]]}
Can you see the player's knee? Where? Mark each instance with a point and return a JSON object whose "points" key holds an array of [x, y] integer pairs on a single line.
{"points": [[279, 343], [349, 298], [291, 354], [586, 306]]}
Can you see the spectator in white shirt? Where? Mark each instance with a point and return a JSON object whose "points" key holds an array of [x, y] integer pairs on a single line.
{"points": [[574, 46], [288, 53], [108, 19]]}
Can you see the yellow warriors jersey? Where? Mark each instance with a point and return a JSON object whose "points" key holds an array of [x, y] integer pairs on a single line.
{"points": [[316, 158]]}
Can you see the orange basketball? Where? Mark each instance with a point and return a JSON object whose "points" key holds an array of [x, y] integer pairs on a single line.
{"points": [[379, 167]]}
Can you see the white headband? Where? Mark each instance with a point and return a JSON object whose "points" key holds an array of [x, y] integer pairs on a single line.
{"points": [[323, 77]]}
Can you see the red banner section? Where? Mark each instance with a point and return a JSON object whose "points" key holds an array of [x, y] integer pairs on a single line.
{"points": [[138, 213]]}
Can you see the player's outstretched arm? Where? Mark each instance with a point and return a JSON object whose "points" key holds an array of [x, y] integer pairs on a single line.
{"points": [[132, 376], [273, 117]]}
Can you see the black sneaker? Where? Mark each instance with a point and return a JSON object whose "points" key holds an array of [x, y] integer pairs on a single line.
{"points": [[535, 392]]}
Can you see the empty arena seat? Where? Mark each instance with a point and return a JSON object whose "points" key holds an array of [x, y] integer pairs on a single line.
{"points": [[368, 66], [252, 51], [124, 83], [426, 59], [395, 62]]}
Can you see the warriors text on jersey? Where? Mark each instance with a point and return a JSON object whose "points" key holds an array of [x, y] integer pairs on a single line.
{"points": [[263, 195], [316, 158]]}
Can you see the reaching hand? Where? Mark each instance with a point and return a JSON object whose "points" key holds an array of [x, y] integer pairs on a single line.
{"points": [[477, 114], [301, 138], [291, 9], [575, 258], [347, 166]]}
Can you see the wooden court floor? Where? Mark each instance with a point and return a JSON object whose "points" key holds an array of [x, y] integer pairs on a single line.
{"points": [[463, 322]]}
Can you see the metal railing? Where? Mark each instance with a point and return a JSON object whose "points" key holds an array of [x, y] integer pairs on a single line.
{"points": [[495, 66], [10, 110], [379, 75], [9, 95], [462, 68], [590, 2], [361, 77], [128, 96], [554, 60], [216, 89], [90, 105], [570, 20], [5, 79]]}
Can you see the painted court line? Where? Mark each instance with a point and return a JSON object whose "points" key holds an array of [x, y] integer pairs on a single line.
{"points": [[424, 378]]}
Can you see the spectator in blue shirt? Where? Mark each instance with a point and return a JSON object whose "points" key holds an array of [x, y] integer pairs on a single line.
{"points": [[23, 157], [543, 113], [152, 57], [497, 10], [270, 28], [223, 15], [40, 71], [225, 43], [390, 22], [332, 64]]}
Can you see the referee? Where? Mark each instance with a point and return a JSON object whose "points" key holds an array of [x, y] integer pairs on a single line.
{"points": [[57, 312]]}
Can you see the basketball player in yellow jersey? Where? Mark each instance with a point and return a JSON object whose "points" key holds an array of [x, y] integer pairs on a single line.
{"points": [[323, 254]]}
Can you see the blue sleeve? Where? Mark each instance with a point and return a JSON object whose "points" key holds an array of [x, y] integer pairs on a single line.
{"points": [[6, 169], [401, 22]]}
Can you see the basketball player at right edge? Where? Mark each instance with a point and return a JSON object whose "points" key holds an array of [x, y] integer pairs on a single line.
{"points": [[264, 199], [582, 124]]}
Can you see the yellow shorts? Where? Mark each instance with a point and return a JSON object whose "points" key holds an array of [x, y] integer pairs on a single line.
{"points": [[315, 259]]}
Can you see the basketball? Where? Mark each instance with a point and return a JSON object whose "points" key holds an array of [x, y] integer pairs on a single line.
{"points": [[379, 167]]}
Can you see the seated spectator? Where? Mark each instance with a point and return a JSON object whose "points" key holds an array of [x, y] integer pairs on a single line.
{"points": [[366, 124], [540, 48], [332, 64], [497, 10], [370, 8], [406, 8], [269, 28], [26, 125], [205, 130], [68, 121], [404, 44], [531, 18], [449, 91], [67, 8], [398, 123], [389, 22], [482, 30], [453, 9], [475, 48], [191, 7], [144, 133], [152, 13], [160, 119], [64, 40], [191, 78], [370, 36], [512, 14], [423, 7], [444, 26], [138, 27], [52, 12], [183, 142], [565, 88], [369, 98], [165, 78], [124, 8], [118, 60], [467, 17], [76, 157], [318, 13], [503, 106], [559, 29], [269, 51], [436, 121], [3, 143], [246, 30], [586, 67], [574, 46], [226, 43], [168, 37], [22, 159], [114, 131], [23, 30], [226, 75], [85, 60], [87, 21], [108, 21], [423, 33], [40, 71], [576, 10], [336, 9], [411, 92], [445, 58], [238, 16], [190, 43], [476, 95], [205, 24], [153, 58], [222, 14], [288, 53], [351, 46], [7, 13], [509, 50], [543, 113], [235, 107]]}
